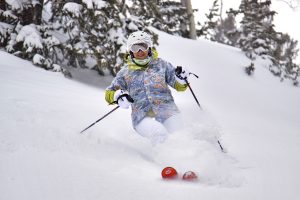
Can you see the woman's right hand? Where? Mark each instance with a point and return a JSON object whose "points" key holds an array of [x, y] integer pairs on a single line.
{"points": [[123, 99]]}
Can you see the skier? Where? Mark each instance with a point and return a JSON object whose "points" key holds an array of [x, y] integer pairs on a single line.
{"points": [[145, 78]]}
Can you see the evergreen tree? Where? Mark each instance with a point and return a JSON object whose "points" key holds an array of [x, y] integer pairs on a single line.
{"points": [[227, 31], [75, 47], [250, 69], [266, 33], [7, 22], [21, 26], [147, 11], [96, 31], [208, 30], [256, 28], [249, 27], [173, 14], [57, 9], [283, 56], [167, 16], [260, 39], [23, 33]]}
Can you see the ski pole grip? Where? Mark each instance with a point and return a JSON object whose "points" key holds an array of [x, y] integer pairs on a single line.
{"points": [[178, 70], [127, 96]]}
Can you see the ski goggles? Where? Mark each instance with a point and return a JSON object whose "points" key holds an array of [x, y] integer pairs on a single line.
{"points": [[140, 46]]}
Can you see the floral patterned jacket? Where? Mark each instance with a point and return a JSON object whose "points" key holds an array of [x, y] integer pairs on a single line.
{"points": [[149, 89]]}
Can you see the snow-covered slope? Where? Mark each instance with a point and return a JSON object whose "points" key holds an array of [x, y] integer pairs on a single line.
{"points": [[257, 119]]}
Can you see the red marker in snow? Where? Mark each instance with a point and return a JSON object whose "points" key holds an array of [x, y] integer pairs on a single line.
{"points": [[169, 173], [189, 176]]}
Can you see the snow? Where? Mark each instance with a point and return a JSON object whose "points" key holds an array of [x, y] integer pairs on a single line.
{"points": [[16, 4], [38, 59], [52, 41], [116, 35], [5, 29], [31, 37], [98, 3], [56, 68], [73, 8], [132, 26], [256, 118], [8, 14]]}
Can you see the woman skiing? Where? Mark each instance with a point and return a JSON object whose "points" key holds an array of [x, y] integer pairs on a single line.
{"points": [[145, 79]]}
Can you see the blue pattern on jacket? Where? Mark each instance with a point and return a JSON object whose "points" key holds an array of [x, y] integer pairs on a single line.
{"points": [[149, 89]]}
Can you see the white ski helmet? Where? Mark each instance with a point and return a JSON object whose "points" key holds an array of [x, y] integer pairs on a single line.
{"points": [[139, 37]]}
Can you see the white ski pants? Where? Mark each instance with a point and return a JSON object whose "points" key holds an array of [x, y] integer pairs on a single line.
{"points": [[158, 132]]}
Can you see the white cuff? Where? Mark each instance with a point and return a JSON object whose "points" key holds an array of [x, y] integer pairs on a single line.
{"points": [[181, 81]]}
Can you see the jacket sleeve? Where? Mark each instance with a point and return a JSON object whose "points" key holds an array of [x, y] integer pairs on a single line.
{"points": [[118, 83], [170, 78]]}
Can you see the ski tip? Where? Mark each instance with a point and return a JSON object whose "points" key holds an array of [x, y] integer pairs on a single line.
{"points": [[169, 173], [190, 176]]}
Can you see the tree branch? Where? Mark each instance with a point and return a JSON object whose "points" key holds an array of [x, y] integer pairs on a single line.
{"points": [[294, 4]]}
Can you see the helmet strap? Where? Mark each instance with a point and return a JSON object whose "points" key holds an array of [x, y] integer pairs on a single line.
{"points": [[150, 52]]}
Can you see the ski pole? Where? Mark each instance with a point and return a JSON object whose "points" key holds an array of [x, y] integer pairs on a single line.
{"points": [[125, 95], [100, 119], [222, 149], [178, 70], [188, 84]]}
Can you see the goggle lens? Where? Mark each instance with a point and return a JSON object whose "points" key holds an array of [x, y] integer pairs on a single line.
{"points": [[136, 47]]}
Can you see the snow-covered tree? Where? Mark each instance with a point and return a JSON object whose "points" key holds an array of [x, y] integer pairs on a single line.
{"points": [[283, 58], [19, 29], [256, 27], [208, 30], [22, 32], [249, 27], [250, 69], [173, 15], [75, 46], [267, 32], [226, 31], [167, 16], [147, 11], [7, 22], [96, 31], [92, 33], [260, 39]]}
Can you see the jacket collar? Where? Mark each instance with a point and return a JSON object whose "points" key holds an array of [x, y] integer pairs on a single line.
{"points": [[133, 66]]}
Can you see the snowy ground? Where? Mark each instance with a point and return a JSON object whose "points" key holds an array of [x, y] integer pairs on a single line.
{"points": [[257, 119]]}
